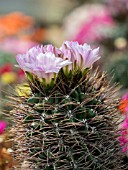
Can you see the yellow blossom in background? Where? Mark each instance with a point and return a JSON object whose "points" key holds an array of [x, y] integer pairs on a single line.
{"points": [[23, 89], [120, 43], [8, 77]]}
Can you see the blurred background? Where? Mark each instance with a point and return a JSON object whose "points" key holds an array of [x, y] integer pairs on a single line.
{"points": [[26, 23]]}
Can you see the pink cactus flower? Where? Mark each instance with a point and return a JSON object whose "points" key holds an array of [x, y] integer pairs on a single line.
{"points": [[82, 54], [124, 135], [46, 61], [42, 61], [3, 125]]}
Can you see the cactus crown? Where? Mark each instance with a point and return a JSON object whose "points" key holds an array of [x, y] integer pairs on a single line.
{"points": [[68, 120]]}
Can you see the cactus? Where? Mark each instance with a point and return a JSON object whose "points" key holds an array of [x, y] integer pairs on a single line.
{"points": [[69, 119]]}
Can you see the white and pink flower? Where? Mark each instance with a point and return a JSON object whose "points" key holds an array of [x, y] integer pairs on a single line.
{"points": [[83, 55], [46, 61], [42, 61]]}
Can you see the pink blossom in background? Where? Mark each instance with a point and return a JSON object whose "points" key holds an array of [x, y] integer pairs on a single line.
{"points": [[3, 125], [125, 96], [92, 30], [124, 134], [91, 23], [14, 46]]}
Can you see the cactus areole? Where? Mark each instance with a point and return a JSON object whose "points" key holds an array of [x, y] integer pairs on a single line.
{"points": [[68, 120]]}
